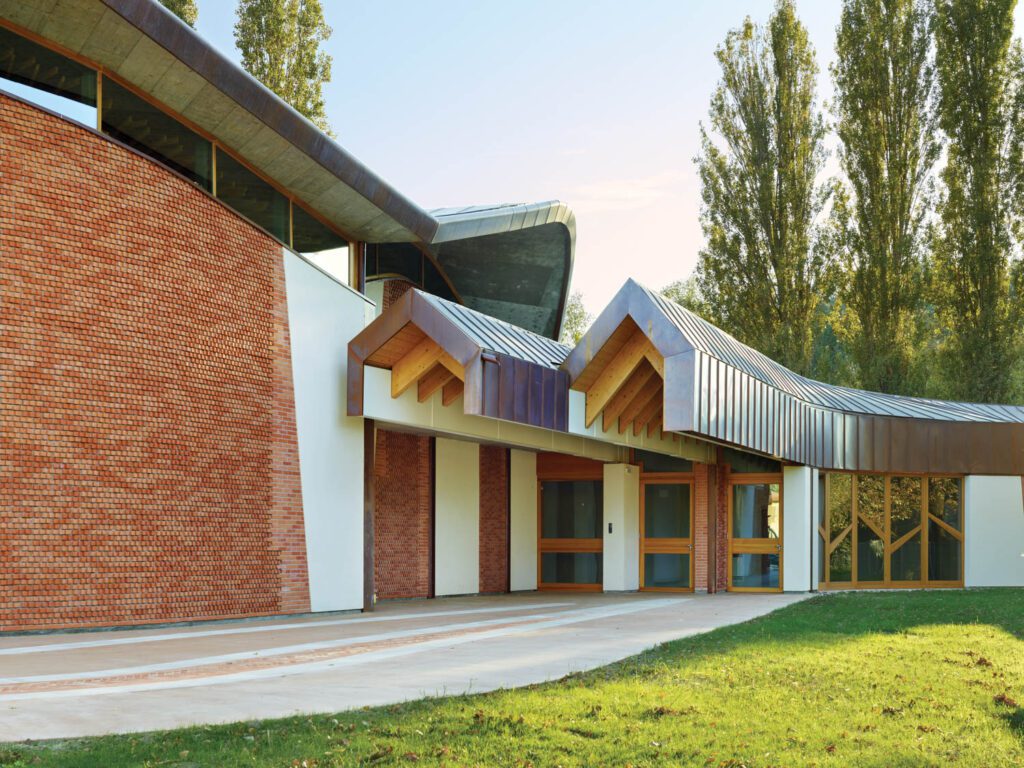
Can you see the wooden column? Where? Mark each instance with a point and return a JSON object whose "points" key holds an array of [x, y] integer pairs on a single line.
{"points": [[369, 451]]}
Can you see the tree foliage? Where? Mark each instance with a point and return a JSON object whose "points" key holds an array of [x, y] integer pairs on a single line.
{"points": [[979, 72], [186, 10], [760, 273], [577, 320], [280, 45], [886, 123]]}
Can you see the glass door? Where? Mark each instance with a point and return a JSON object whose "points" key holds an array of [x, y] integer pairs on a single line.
{"points": [[570, 543], [755, 534], [666, 544]]}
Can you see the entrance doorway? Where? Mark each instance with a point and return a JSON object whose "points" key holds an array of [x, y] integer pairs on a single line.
{"points": [[755, 533], [666, 535], [571, 543]]}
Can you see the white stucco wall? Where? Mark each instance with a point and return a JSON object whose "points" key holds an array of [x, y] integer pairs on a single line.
{"points": [[523, 520], [797, 525], [622, 511], [993, 532], [456, 517], [323, 315]]}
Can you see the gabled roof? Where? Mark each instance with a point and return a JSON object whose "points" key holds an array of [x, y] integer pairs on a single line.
{"points": [[500, 371], [717, 388]]}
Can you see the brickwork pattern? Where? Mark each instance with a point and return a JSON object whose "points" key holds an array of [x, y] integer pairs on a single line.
{"points": [[700, 526], [403, 515], [722, 562], [494, 517], [148, 464]]}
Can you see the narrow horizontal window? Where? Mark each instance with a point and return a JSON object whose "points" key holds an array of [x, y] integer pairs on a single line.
{"points": [[140, 125], [43, 77]]}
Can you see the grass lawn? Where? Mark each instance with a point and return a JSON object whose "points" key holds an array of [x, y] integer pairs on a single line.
{"points": [[868, 679]]}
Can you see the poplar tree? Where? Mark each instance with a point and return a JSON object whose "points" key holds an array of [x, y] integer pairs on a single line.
{"points": [[979, 74], [760, 274], [577, 320], [186, 10], [280, 45], [886, 121]]}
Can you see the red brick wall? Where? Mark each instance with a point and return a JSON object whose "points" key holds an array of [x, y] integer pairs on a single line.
{"points": [[700, 526], [493, 519], [148, 466], [723, 527], [403, 524]]}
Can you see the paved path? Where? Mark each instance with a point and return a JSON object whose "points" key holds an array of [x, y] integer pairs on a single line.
{"points": [[65, 685]]}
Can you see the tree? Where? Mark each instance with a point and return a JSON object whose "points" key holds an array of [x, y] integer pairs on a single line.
{"points": [[886, 121], [577, 320], [186, 10], [980, 112], [760, 273], [686, 293], [280, 45]]}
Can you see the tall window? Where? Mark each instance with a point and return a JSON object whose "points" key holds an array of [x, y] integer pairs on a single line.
{"points": [[571, 541], [890, 531]]}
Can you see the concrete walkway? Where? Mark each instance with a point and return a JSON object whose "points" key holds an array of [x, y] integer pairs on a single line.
{"points": [[66, 685]]}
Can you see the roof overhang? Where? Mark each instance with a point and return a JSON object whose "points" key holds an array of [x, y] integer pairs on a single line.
{"points": [[425, 347], [704, 395]]}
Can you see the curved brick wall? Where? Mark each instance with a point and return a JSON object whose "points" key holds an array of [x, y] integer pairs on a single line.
{"points": [[148, 456]]}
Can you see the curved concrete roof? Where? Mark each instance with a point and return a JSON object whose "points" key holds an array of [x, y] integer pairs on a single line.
{"points": [[148, 47]]}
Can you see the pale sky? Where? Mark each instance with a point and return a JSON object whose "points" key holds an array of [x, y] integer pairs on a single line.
{"points": [[592, 102]]}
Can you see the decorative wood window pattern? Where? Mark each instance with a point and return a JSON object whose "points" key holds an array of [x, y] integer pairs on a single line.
{"points": [[890, 531]]}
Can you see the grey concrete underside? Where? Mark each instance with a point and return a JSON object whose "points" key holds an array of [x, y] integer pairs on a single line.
{"points": [[406, 650]]}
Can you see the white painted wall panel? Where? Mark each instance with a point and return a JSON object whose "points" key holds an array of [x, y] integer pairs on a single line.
{"points": [[523, 514], [994, 532], [323, 315], [797, 526], [622, 511], [456, 517]]}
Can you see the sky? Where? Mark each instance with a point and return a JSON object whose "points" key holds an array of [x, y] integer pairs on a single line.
{"points": [[592, 102]]}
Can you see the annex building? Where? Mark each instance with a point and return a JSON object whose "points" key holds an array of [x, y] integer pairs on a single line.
{"points": [[242, 375]]}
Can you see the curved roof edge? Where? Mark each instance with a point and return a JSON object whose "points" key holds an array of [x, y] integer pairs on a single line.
{"points": [[719, 388]]}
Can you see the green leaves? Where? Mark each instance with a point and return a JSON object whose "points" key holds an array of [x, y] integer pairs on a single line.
{"points": [[280, 45], [760, 275], [186, 10]]}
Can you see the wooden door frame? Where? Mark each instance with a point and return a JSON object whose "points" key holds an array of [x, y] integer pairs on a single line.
{"points": [[771, 478], [666, 478], [571, 546]]}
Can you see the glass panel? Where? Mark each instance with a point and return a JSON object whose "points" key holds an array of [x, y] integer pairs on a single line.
{"points": [[142, 126], [570, 567], [871, 499], [656, 462], [667, 511], [840, 562], [252, 197], [571, 509], [755, 571], [48, 79], [755, 511], [906, 561], [740, 462], [943, 554], [667, 570], [320, 244], [870, 554], [840, 503], [944, 500], [905, 506]]}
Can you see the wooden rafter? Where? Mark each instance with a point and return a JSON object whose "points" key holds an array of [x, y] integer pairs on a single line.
{"points": [[436, 378], [451, 391], [625, 396], [651, 391], [418, 362], [655, 422], [618, 372]]}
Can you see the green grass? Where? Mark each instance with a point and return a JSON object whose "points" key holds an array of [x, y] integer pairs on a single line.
{"points": [[869, 679]]}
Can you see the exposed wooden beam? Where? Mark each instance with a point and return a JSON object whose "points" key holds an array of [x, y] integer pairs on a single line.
{"points": [[616, 373], [652, 409], [625, 396], [654, 423], [651, 390], [418, 361], [436, 378], [451, 391]]}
